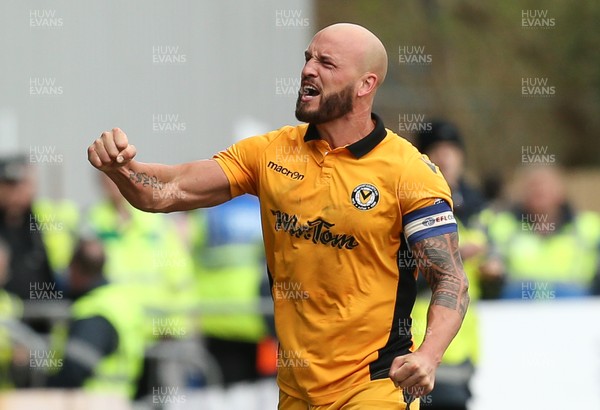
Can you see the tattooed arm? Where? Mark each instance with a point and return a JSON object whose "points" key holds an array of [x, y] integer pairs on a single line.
{"points": [[439, 261], [158, 187], [438, 258]]}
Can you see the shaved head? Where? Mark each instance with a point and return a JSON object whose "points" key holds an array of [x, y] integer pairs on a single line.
{"points": [[344, 65], [359, 44]]}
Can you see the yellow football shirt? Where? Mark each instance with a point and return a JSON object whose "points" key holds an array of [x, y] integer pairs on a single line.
{"points": [[337, 224]]}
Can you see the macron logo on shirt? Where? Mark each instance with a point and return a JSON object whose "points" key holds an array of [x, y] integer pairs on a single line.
{"points": [[287, 172]]}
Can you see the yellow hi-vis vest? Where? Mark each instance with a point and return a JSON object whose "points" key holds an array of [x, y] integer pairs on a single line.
{"points": [[146, 251], [11, 307], [236, 287], [567, 255], [58, 222], [229, 271], [118, 372]]}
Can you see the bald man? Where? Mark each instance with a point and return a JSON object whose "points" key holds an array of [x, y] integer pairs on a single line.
{"points": [[348, 218]]}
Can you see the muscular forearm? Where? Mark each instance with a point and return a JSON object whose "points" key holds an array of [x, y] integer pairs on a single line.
{"points": [[158, 187], [441, 265], [148, 187], [167, 188], [442, 326]]}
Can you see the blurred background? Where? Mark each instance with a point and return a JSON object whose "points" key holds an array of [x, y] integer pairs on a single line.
{"points": [[504, 97]]}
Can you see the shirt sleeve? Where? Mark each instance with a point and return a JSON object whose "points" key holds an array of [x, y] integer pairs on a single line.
{"points": [[425, 201], [240, 162]]}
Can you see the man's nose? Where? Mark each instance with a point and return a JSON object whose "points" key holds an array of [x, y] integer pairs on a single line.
{"points": [[309, 69]]}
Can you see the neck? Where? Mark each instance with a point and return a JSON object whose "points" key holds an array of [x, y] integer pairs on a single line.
{"points": [[347, 129]]}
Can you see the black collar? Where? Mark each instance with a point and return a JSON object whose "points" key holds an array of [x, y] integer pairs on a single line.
{"points": [[361, 147]]}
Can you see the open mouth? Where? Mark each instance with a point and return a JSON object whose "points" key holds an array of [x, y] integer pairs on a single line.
{"points": [[308, 92]]}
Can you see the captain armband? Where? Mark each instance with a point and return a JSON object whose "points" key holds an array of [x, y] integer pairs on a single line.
{"points": [[434, 220]]}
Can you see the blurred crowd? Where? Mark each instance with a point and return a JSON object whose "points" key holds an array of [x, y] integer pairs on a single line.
{"points": [[529, 244], [125, 302], [111, 299]]}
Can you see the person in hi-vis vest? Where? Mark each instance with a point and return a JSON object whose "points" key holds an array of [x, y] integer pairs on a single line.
{"points": [[146, 251], [11, 308], [104, 349], [230, 267], [543, 248]]}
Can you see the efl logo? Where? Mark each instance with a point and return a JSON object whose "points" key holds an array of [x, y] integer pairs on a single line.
{"points": [[413, 55], [439, 219], [168, 55], [536, 87], [44, 86], [290, 18], [44, 19], [413, 123], [536, 19]]}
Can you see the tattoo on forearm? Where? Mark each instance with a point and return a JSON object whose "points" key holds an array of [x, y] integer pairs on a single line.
{"points": [[145, 180], [439, 261]]}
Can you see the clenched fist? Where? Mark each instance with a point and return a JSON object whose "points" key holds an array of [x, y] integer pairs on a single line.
{"points": [[414, 372], [111, 150]]}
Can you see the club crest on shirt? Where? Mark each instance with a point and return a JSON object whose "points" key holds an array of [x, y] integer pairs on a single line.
{"points": [[365, 197]]}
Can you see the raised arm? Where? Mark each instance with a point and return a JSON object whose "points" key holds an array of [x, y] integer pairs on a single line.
{"points": [[158, 187], [438, 258]]}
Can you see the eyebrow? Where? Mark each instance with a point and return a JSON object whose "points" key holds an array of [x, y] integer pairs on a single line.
{"points": [[325, 58]]}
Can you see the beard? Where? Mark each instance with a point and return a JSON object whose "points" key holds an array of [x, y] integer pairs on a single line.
{"points": [[331, 107]]}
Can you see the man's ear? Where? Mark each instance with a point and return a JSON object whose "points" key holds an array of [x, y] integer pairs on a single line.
{"points": [[368, 83]]}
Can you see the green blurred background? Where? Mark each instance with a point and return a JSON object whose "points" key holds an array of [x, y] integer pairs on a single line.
{"points": [[480, 52]]}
